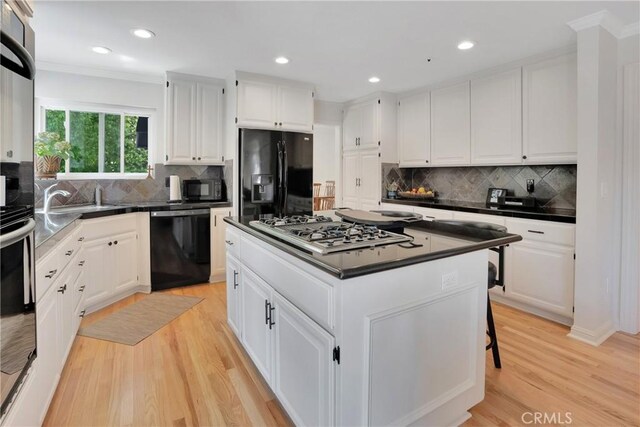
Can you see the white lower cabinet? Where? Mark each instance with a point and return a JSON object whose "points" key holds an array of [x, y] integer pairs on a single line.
{"points": [[234, 288], [218, 227], [303, 375], [541, 275], [256, 326]]}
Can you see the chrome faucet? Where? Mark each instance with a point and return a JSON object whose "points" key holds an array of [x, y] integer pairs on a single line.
{"points": [[48, 196]]}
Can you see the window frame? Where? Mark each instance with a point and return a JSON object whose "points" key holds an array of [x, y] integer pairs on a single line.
{"points": [[43, 104]]}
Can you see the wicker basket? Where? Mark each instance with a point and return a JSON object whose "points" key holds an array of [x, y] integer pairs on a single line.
{"points": [[47, 166], [410, 195]]}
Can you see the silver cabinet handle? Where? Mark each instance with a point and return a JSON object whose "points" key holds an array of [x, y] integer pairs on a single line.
{"points": [[82, 313], [235, 279], [536, 231], [51, 274], [80, 239], [81, 289], [229, 242], [62, 289], [69, 253], [81, 263]]}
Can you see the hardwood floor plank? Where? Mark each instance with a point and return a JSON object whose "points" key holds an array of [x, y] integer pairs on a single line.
{"points": [[194, 372]]}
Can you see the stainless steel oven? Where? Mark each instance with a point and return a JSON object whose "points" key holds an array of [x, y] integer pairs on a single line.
{"points": [[17, 246]]}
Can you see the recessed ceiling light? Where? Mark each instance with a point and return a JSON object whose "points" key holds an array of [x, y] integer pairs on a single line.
{"points": [[374, 79], [142, 33], [101, 50], [282, 60], [466, 44]]}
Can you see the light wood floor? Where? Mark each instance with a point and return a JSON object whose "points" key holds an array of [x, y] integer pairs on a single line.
{"points": [[193, 372]]}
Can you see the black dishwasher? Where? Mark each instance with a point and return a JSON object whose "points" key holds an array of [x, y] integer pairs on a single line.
{"points": [[180, 248]]}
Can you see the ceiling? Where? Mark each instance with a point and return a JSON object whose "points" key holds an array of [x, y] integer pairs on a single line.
{"points": [[335, 45]]}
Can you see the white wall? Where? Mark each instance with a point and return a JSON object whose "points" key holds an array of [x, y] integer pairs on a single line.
{"points": [[327, 112], [90, 89], [327, 145]]}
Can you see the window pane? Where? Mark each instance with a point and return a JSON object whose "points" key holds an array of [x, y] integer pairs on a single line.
{"points": [[54, 122], [84, 141], [111, 143], [135, 143]]}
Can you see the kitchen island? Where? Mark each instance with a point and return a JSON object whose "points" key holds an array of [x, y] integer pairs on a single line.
{"points": [[383, 335]]}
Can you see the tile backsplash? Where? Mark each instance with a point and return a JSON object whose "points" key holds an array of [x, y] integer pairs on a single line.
{"points": [[125, 190], [555, 185]]}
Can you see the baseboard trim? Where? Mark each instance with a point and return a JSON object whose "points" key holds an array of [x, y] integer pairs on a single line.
{"points": [[117, 297], [554, 317], [596, 337]]}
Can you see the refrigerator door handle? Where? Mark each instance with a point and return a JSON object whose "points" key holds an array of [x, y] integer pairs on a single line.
{"points": [[285, 174], [279, 198]]}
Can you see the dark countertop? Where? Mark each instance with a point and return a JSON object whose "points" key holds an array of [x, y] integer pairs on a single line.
{"points": [[539, 213], [49, 225], [438, 241]]}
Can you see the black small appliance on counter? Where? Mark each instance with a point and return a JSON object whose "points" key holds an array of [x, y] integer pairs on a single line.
{"points": [[498, 198], [204, 190]]}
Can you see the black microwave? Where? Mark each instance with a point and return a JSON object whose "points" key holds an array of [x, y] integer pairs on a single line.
{"points": [[203, 190]]}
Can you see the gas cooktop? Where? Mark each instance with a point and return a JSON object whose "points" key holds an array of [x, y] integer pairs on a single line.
{"points": [[324, 235]]}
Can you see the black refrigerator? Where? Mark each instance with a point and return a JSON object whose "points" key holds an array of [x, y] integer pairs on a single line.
{"points": [[276, 173]]}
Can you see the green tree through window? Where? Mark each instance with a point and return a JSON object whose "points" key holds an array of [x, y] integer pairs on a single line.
{"points": [[85, 135]]}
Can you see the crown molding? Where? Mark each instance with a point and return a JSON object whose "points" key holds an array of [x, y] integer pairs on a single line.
{"points": [[606, 20], [99, 72]]}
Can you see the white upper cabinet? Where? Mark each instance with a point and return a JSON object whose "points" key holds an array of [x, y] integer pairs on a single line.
{"points": [[450, 126], [550, 111], [295, 108], [369, 124], [496, 119], [268, 103], [414, 130], [209, 143], [351, 128], [194, 110]]}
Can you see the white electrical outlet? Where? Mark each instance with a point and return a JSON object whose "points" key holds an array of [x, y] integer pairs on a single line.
{"points": [[449, 279]]}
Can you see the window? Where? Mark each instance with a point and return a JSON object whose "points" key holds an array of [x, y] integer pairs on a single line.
{"points": [[105, 141]]}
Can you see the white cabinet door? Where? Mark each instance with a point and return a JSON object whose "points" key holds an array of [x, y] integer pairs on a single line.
{"points": [[257, 104], [414, 130], [295, 108], [124, 266], [98, 261], [496, 119], [181, 122], [234, 288], [65, 293], [304, 374], [351, 128], [542, 275], [550, 111], [48, 340], [450, 126], [209, 148], [218, 230], [369, 189], [350, 178], [369, 125], [256, 329]]}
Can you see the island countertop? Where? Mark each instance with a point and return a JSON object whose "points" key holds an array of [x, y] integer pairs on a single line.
{"points": [[431, 241]]}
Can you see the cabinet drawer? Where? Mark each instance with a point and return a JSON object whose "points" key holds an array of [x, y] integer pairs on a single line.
{"points": [[48, 269], [232, 241], [109, 226], [312, 296], [69, 247], [430, 214], [543, 231]]}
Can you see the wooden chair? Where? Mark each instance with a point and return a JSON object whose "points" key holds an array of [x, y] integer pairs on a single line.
{"points": [[330, 189], [327, 203], [316, 196]]}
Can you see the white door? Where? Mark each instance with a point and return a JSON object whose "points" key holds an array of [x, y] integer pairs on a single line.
{"points": [[234, 288], [256, 328], [414, 130], [369, 188], [181, 122], [541, 274], [98, 263], [550, 111], [257, 104], [218, 228], [304, 374], [351, 128], [369, 123], [496, 119], [125, 266], [295, 109], [209, 137], [350, 179], [450, 126]]}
